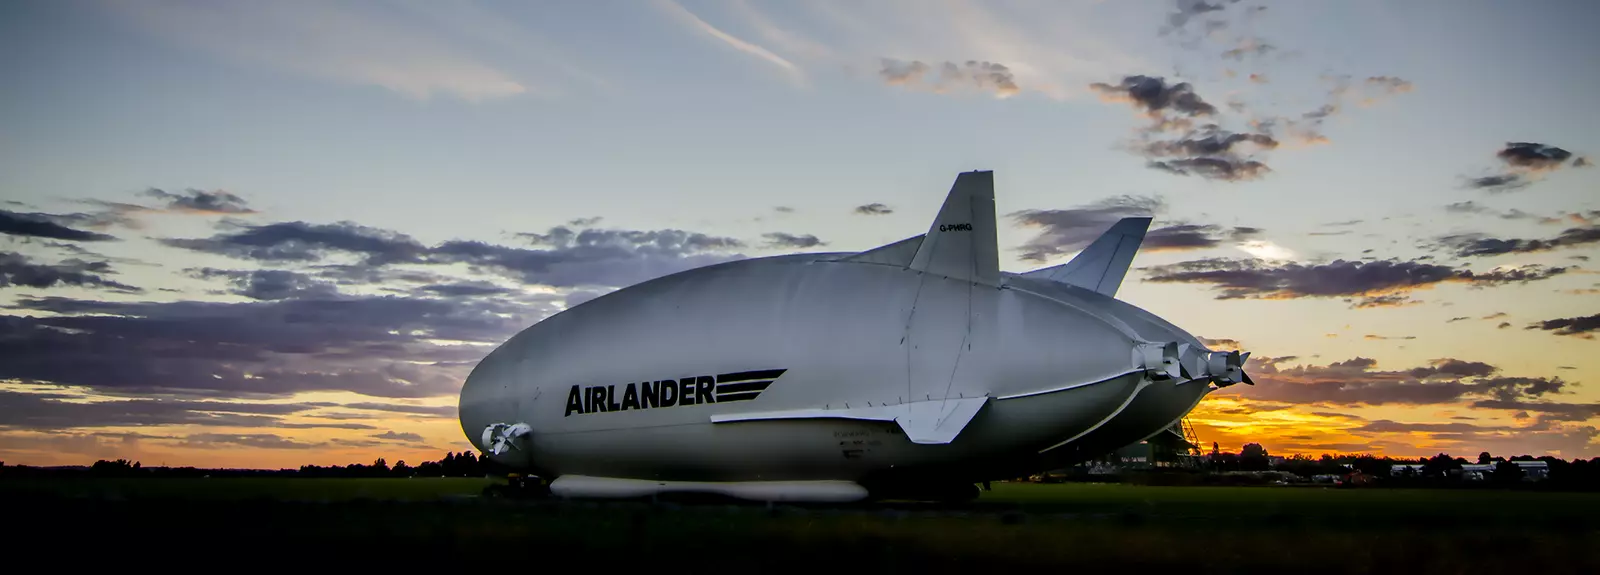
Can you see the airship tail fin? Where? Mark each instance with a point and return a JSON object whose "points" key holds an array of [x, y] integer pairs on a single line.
{"points": [[961, 243], [1102, 265]]}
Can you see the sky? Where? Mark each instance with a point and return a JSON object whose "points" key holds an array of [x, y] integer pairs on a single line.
{"points": [[266, 234]]}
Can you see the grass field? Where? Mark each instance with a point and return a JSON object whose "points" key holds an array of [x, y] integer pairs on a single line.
{"points": [[1197, 529]]}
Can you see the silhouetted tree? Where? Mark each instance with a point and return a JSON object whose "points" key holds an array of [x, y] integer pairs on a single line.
{"points": [[1484, 458]]}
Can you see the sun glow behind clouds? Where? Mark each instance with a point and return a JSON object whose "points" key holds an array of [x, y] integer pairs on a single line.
{"points": [[1266, 250]]}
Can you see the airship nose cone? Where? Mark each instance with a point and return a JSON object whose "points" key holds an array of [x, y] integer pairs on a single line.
{"points": [[488, 404]]}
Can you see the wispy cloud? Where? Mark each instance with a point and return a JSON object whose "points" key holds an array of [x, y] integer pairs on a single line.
{"points": [[337, 42], [693, 21]]}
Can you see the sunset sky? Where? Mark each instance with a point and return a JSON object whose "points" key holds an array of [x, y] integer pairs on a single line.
{"points": [[264, 234]]}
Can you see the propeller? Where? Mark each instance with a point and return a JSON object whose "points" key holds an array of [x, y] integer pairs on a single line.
{"points": [[1227, 368], [1161, 361], [499, 437]]}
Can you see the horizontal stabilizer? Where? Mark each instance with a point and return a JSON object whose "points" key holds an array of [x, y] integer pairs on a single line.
{"points": [[961, 243], [1102, 265], [896, 254], [927, 422]]}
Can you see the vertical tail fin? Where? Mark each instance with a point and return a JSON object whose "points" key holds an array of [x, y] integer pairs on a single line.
{"points": [[1102, 265], [962, 242]]}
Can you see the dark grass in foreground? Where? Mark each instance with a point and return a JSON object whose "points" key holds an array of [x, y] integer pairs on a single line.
{"points": [[1198, 529]]}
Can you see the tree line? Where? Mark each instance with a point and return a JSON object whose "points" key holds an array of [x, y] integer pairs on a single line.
{"points": [[463, 464]]}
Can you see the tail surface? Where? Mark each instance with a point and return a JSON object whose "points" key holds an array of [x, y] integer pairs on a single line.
{"points": [[1102, 265]]}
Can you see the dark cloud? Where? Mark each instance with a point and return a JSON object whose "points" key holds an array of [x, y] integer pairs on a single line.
{"points": [[1186, 10], [1357, 382], [1477, 244], [1531, 156], [51, 226], [783, 209], [593, 257], [785, 240], [201, 202], [586, 222], [1194, 236], [305, 242], [1582, 327], [1155, 97], [1066, 231], [1387, 337], [376, 346], [1376, 283], [985, 76], [1525, 163], [396, 436], [1548, 410], [269, 284], [1209, 152], [874, 209], [21, 271], [567, 258], [1213, 168], [464, 289], [20, 410], [1223, 343]]}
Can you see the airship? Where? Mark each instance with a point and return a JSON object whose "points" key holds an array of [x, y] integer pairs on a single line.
{"points": [[914, 370]]}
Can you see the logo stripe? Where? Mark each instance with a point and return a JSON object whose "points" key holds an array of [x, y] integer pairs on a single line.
{"points": [[739, 387], [738, 396], [750, 375]]}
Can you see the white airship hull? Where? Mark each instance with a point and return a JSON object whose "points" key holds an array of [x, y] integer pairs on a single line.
{"points": [[834, 377]]}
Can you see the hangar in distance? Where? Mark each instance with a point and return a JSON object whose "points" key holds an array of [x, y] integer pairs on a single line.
{"points": [[908, 371]]}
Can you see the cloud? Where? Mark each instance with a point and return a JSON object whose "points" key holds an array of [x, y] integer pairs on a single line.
{"points": [[1187, 10], [348, 44], [1222, 343], [270, 284], [304, 242], [1174, 144], [784, 240], [254, 440], [390, 347], [983, 76], [46, 226], [1183, 237], [1582, 327], [395, 436], [54, 411], [1155, 97], [592, 257], [1387, 337], [1477, 244], [1249, 47], [874, 209], [1066, 231], [693, 21], [1376, 283], [1356, 382], [1547, 410], [1525, 163], [202, 202], [20, 270]]}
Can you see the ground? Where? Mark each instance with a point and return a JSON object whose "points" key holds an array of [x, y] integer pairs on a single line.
{"points": [[1198, 529]]}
